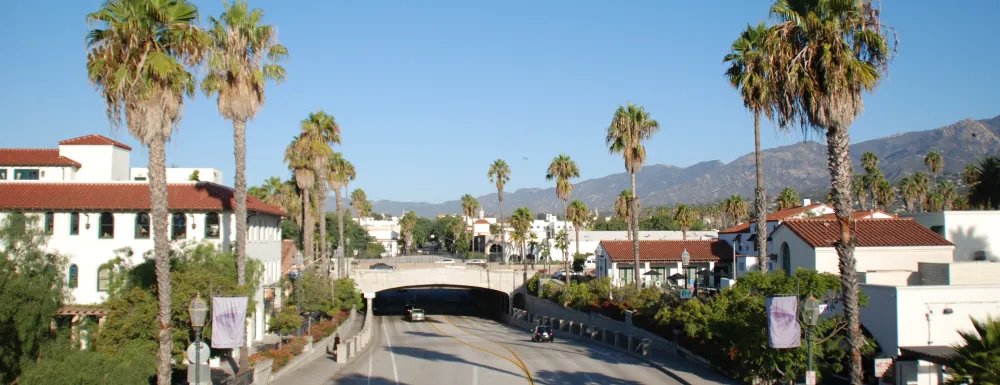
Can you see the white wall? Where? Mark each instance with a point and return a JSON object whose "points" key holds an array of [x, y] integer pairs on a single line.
{"points": [[45, 174], [101, 163], [970, 231], [180, 174]]}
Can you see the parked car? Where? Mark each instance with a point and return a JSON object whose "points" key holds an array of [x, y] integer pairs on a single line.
{"points": [[445, 260], [416, 314], [476, 262], [381, 266], [542, 333]]}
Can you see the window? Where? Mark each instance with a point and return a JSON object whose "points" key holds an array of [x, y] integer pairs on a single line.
{"points": [[786, 258], [142, 226], [179, 226], [103, 278], [212, 225], [26, 174], [107, 225], [139, 178], [938, 229], [626, 274], [73, 276], [50, 219], [3, 174], [74, 223]]}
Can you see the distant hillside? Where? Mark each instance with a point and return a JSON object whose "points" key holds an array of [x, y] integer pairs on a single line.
{"points": [[801, 166]]}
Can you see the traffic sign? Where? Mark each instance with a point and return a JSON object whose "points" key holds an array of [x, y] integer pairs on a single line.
{"points": [[811, 378], [686, 294], [202, 353]]}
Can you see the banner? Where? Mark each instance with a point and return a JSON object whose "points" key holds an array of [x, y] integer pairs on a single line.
{"points": [[783, 327], [229, 316]]}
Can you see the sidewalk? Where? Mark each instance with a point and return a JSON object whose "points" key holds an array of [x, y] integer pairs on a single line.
{"points": [[321, 368]]}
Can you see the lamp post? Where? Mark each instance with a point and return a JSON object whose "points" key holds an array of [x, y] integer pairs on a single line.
{"points": [[685, 260], [810, 313], [296, 275], [198, 311]]}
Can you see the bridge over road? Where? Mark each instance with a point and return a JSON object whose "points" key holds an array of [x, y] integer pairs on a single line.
{"points": [[506, 282]]}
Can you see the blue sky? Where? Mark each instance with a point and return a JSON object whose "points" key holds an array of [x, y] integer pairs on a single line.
{"points": [[428, 93]]}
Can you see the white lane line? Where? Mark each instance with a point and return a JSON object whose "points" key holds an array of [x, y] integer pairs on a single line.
{"points": [[475, 375], [561, 355], [395, 374]]}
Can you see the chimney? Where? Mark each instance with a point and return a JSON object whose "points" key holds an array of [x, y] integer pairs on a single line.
{"points": [[482, 214], [806, 202]]}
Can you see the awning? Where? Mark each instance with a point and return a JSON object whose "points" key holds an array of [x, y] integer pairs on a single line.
{"points": [[937, 354]]}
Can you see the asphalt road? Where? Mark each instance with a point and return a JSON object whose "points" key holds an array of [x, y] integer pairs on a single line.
{"points": [[462, 348]]}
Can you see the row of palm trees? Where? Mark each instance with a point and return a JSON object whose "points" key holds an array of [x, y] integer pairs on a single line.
{"points": [[140, 59]]}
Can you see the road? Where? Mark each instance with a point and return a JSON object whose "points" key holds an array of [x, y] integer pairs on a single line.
{"points": [[455, 346]]}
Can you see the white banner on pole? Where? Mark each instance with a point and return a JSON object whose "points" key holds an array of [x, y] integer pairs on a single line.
{"points": [[229, 316], [783, 327]]}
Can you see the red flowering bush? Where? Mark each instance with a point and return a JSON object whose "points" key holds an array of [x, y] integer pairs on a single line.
{"points": [[280, 357]]}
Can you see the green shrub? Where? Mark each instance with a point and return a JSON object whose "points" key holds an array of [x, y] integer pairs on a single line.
{"points": [[287, 321]]}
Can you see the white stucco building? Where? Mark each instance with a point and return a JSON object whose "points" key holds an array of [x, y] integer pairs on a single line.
{"points": [[180, 174], [742, 237], [976, 234], [89, 207], [386, 232], [710, 261]]}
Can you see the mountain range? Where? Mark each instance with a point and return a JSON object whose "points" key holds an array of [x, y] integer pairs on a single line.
{"points": [[801, 166]]}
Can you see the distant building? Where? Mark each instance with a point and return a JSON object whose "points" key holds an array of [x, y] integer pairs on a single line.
{"points": [[386, 233], [976, 234], [660, 262], [743, 237]]}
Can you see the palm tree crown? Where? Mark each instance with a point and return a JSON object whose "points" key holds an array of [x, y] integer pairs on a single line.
{"points": [[788, 198]]}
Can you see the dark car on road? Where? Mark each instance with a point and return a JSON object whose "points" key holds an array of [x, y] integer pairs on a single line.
{"points": [[542, 333], [381, 266]]}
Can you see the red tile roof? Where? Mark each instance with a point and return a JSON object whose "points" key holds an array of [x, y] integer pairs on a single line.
{"points": [[889, 232], [779, 215], [96, 140], [201, 196], [34, 157], [481, 222], [866, 214], [700, 251]]}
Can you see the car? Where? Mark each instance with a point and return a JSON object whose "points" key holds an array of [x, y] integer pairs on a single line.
{"points": [[445, 260], [542, 333], [476, 262], [381, 266], [415, 315]]}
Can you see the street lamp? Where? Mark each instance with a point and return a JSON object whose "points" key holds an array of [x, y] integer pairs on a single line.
{"points": [[296, 275], [810, 314], [198, 312], [685, 260]]}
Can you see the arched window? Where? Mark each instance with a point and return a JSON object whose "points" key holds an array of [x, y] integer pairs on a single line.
{"points": [[786, 258], [142, 225], [179, 226], [74, 223], [50, 219], [212, 227], [103, 278], [73, 277], [106, 225]]}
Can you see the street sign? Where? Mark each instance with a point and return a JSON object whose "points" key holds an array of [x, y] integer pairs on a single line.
{"points": [[686, 294], [203, 354], [882, 366], [811, 378]]}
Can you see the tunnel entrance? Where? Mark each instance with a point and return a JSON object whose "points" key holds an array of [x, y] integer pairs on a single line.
{"points": [[442, 300]]}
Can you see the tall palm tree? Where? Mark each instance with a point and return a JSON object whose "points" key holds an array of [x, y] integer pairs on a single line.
{"points": [[299, 157], [242, 59], [923, 189], [909, 190], [533, 243], [358, 201], [825, 55], [873, 177], [623, 209], [860, 190], [469, 207], [578, 214], [562, 169], [884, 194], [947, 191], [976, 360], [934, 164], [520, 222], [985, 192], [321, 131], [683, 217], [788, 198], [749, 73], [340, 170], [499, 175], [629, 128], [969, 174], [736, 208], [138, 59]]}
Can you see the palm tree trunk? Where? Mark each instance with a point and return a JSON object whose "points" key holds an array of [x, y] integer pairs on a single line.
{"points": [[503, 234], [161, 249], [576, 229], [760, 200], [635, 233], [340, 232], [566, 250], [240, 138], [838, 141], [322, 178], [307, 227]]}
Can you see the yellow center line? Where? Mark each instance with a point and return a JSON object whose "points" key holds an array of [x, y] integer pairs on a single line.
{"points": [[521, 366]]}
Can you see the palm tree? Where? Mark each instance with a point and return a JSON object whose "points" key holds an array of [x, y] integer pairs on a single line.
{"points": [[869, 161], [825, 55], [340, 172], [469, 207], [975, 361], [749, 73], [859, 189], [985, 192], [138, 60], [623, 209], [358, 201], [683, 217], [533, 243], [319, 131], [299, 156], [934, 164], [499, 175], [562, 169], [884, 194], [969, 174], [788, 198], [908, 188], [629, 128], [242, 59], [736, 208], [521, 223], [921, 183], [578, 214]]}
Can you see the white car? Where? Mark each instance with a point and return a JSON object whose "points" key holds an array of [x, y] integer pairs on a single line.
{"points": [[446, 260], [476, 262]]}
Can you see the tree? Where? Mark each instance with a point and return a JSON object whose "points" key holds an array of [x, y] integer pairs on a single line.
{"points": [[319, 131], [859, 188], [138, 61], [946, 189], [341, 171], [562, 243], [985, 191], [623, 209], [934, 164], [735, 207], [977, 361], [788, 198], [922, 188], [242, 59], [826, 54], [359, 202], [469, 207], [578, 214], [629, 128], [406, 225], [909, 190], [683, 216], [32, 291], [749, 73], [562, 169], [194, 177], [299, 160], [521, 223], [499, 175], [885, 194], [873, 176], [63, 359]]}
